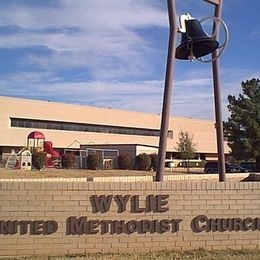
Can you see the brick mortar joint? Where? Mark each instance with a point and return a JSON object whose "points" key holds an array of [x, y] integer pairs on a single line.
{"points": [[130, 187]]}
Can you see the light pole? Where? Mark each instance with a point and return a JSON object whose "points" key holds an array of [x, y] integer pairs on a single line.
{"points": [[167, 90], [217, 97], [193, 53]]}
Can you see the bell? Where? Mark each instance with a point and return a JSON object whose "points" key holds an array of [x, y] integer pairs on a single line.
{"points": [[195, 43]]}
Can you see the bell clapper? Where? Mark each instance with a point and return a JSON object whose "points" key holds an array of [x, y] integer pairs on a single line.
{"points": [[191, 57]]}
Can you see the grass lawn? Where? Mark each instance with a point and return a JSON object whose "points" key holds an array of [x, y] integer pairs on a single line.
{"points": [[81, 173], [164, 255], [71, 173], [76, 173]]}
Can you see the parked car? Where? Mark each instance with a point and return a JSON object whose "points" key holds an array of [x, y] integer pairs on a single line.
{"points": [[170, 164], [250, 166], [212, 167]]}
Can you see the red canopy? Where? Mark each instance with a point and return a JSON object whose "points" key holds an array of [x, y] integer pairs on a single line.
{"points": [[36, 135]]}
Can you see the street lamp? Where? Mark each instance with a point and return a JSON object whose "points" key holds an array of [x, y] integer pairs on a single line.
{"points": [[194, 45]]}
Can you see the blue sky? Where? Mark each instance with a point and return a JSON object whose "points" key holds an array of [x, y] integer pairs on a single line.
{"points": [[113, 53]]}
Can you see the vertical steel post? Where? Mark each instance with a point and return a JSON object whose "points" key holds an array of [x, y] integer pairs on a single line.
{"points": [[167, 90], [217, 98]]}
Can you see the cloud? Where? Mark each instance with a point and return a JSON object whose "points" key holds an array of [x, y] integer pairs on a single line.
{"points": [[105, 53], [31, 77], [99, 35], [255, 34], [83, 14], [145, 96], [192, 97]]}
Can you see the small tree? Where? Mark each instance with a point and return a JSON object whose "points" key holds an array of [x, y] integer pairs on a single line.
{"points": [[186, 147], [143, 162], [125, 161], [93, 161], [68, 160], [38, 159]]}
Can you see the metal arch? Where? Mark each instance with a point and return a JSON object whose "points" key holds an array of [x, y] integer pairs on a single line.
{"points": [[221, 47]]}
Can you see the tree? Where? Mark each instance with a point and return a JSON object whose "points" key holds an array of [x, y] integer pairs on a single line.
{"points": [[242, 128], [143, 162], [68, 160], [153, 161], [186, 147], [38, 159], [93, 161], [125, 161]]}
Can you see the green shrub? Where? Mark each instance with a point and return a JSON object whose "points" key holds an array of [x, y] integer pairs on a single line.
{"points": [[143, 162], [93, 161], [125, 161], [68, 160], [153, 161], [38, 160]]}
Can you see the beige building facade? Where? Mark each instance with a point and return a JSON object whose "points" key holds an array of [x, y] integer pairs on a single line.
{"points": [[70, 126]]}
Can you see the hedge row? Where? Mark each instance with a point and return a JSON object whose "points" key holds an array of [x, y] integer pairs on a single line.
{"points": [[142, 162], [68, 160]]}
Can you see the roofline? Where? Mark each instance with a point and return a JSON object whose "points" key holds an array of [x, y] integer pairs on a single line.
{"points": [[112, 144]]}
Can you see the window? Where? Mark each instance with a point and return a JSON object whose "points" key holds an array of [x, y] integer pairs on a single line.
{"points": [[80, 127]]}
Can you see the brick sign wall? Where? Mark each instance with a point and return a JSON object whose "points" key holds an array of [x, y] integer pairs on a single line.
{"points": [[52, 218]]}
